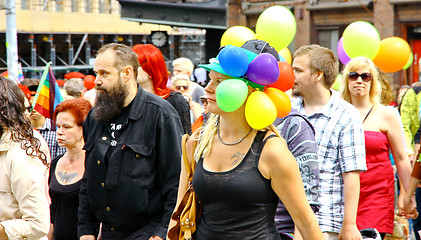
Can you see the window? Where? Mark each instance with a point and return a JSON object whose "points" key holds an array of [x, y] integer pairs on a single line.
{"points": [[328, 38]]}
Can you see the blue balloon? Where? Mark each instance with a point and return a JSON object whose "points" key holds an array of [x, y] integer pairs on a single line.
{"points": [[233, 60]]}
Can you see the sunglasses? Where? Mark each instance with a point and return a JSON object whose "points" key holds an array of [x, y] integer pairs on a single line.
{"points": [[184, 87], [366, 77]]}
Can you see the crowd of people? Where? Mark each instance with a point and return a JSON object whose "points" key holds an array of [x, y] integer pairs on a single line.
{"points": [[108, 164]]}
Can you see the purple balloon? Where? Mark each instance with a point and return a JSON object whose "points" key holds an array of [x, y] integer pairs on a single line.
{"points": [[263, 69], [343, 57]]}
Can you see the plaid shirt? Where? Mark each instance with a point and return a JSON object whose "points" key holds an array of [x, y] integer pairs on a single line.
{"points": [[341, 148], [51, 139]]}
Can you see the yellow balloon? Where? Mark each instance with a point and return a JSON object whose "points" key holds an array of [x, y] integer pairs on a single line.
{"points": [[286, 54], [260, 111], [337, 84], [237, 36]]}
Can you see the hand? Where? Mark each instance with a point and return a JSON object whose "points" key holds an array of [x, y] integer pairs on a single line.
{"points": [[155, 238], [410, 207], [350, 232]]}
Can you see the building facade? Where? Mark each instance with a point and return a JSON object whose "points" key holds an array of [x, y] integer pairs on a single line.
{"points": [[68, 33], [323, 22]]}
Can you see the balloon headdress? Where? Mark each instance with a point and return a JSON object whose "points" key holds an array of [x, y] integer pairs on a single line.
{"points": [[254, 64]]}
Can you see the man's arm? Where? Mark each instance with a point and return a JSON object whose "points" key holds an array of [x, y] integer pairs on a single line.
{"points": [[408, 108], [169, 167], [349, 229], [87, 222]]}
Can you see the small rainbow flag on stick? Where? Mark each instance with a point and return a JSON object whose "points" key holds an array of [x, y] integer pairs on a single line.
{"points": [[48, 94]]}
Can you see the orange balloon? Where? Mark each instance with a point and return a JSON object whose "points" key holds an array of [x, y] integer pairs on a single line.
{"points": [[281, 101], [286, 54], [393, 54], [286, 77]]}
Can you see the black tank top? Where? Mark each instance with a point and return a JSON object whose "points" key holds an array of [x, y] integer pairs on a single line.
{"points": [[64, 205], [239, 203]]}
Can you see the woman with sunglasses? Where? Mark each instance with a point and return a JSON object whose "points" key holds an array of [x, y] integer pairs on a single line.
{"points": [[362, 88], [181, 84]]}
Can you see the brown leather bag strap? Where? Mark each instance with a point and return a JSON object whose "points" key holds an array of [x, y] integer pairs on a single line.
{"points": [[189, 167]]}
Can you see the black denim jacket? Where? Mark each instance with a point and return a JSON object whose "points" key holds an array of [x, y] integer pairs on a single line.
{"points": [[141, 181]]}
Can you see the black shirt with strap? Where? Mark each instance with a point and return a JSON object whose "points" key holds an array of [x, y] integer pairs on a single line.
{"points": [[239, 203]]}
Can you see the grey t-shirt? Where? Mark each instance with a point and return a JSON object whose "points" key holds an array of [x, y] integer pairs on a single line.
{"points": [[299, 135]]}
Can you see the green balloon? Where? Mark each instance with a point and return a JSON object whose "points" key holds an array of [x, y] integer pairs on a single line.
{"points": [[361, 38], [231, 94], [409, 63]]}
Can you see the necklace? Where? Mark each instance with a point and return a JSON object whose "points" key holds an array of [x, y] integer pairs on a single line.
{"points": [[231, 144]]}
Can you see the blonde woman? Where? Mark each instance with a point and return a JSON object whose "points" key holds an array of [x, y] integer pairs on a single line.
{"points": [[362, 88], [240, 174]]}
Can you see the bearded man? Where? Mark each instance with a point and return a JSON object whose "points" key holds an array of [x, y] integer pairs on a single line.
{"points": [[133, 149]]}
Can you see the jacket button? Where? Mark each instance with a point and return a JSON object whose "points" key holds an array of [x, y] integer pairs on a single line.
{"points": [[102, 184], [108, 209], [137, 155], [104, 138], [112, 228], [99, 162]]}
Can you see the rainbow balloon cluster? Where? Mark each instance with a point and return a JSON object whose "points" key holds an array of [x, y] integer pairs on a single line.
{"points": [[270, 77], [361, 38]]}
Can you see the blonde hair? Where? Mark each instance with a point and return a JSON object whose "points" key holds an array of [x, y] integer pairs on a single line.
{"points": [[186, 64], [208, 132], [354, 65]]}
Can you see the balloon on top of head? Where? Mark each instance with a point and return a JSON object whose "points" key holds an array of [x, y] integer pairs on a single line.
{"points": [[263, 69], [277, 26], [237, 36], [262, 62], [361, 38], [393, 54], [286, 55], [234, 60]]}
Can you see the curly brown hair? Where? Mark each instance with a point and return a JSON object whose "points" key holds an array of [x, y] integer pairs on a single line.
{"points": [[12, 117]]}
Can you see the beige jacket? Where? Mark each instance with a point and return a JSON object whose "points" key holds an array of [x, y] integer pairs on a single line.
{"points": [[24, 210]]}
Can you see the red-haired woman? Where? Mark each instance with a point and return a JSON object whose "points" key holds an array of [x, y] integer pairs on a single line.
{"points": [[67, 169], [153, 77]]}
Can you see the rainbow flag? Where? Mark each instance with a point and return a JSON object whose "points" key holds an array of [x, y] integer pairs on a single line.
{"points": [[48, 94], [20, 73]]}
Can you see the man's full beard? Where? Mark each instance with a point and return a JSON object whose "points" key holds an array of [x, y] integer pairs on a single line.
{"points": [[109, 103]]}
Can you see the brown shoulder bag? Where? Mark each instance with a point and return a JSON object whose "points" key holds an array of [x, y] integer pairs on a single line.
{"points": [[189, 209]]}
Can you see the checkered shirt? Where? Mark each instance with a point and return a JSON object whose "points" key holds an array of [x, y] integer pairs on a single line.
{"points": [[51, 139], [341, 148]]}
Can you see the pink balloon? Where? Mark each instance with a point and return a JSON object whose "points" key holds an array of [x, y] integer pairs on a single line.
{"points": [[343, 57]]}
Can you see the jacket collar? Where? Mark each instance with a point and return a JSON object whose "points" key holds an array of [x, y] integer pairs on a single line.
{"points": [[138, 103]]}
